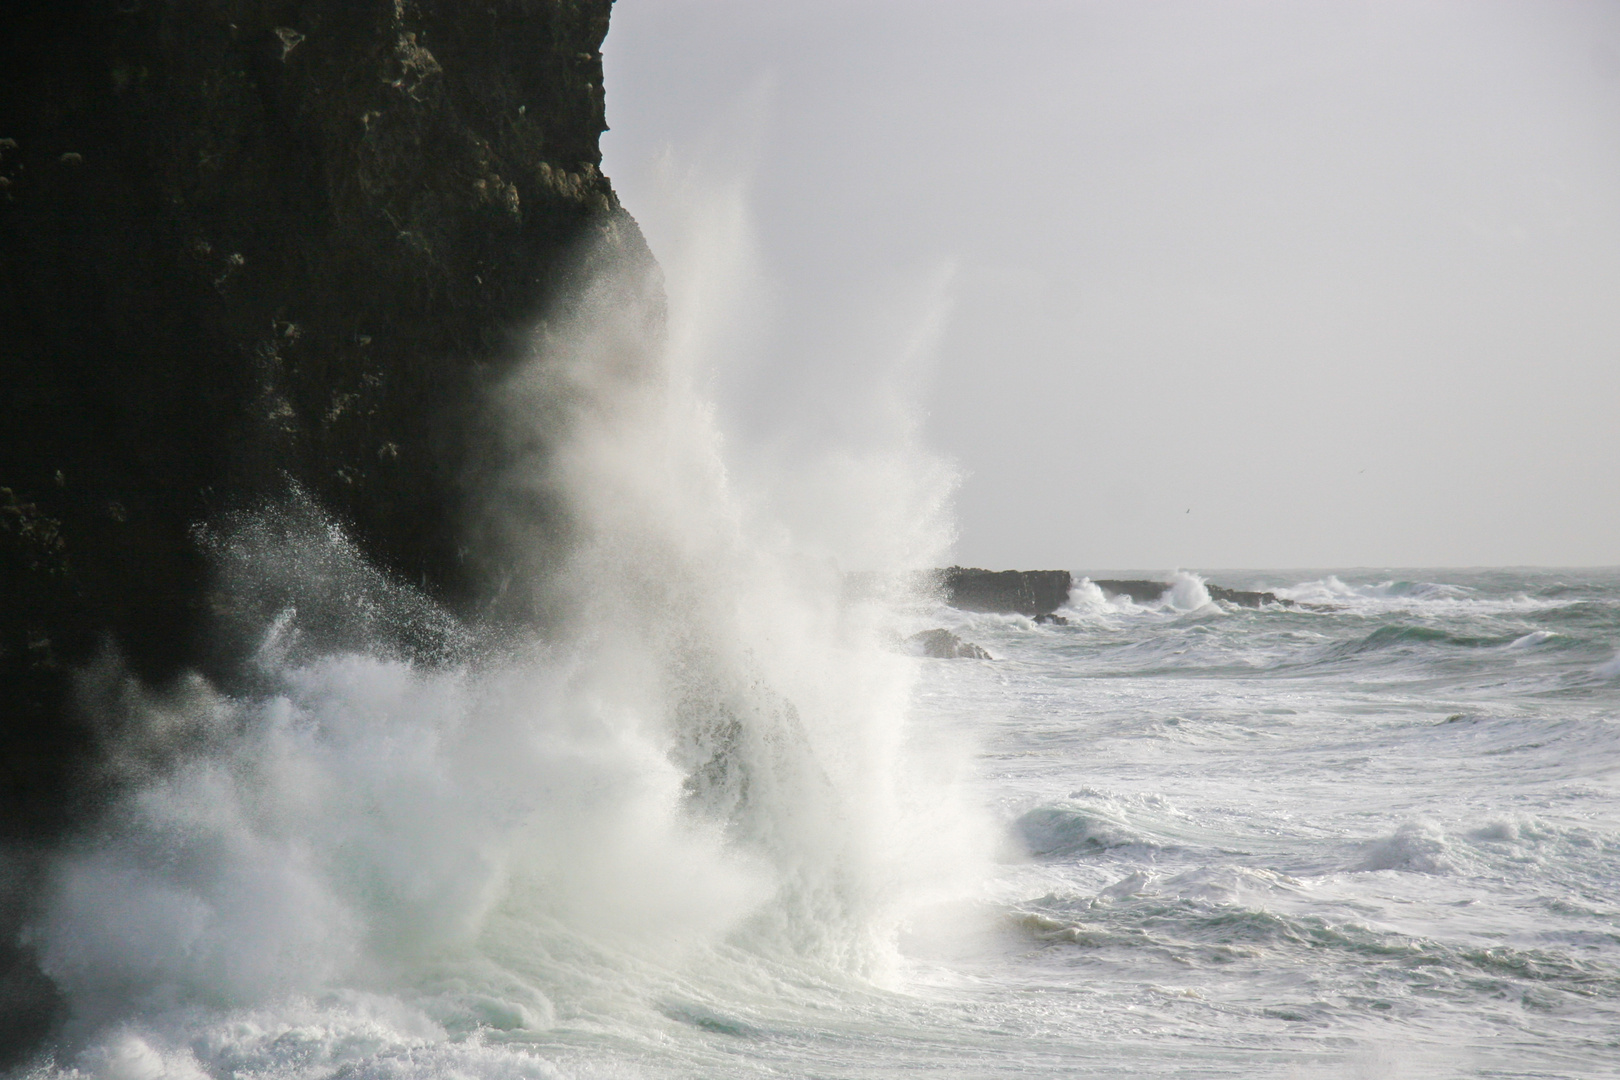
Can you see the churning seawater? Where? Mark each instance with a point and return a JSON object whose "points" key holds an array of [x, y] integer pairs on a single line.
{"points": [[1372, 835], [693, 811]]}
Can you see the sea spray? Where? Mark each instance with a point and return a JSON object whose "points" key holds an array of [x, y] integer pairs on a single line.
{"points": [[782, 706], [671, 733], [1187, 592]]}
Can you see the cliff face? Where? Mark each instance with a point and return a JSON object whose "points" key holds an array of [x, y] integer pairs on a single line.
{"points": [[253, 251], [247, 245]]}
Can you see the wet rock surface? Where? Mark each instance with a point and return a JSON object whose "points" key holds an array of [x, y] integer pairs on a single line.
{"points": [[1244, 597], [250, 254], [1008, 592], [246, 247], [1142, 592], [1150, 592], [944, 645]]}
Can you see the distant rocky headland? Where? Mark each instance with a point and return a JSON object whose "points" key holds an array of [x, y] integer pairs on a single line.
{"points": [[1039, 593], [1035, 593]]}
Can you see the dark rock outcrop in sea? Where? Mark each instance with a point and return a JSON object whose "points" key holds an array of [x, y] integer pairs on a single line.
{"points": [[1010, 592], [1244, 597], [1142, 592], [944, 645], [1039, 593], [251, 252], [1149, 592]]}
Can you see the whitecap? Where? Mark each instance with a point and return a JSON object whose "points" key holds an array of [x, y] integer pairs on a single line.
{"points": [[1188, 593], [1417, 846]]}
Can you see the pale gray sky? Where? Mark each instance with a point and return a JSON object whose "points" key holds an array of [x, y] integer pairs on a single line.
{"points": [[1215, 284]]}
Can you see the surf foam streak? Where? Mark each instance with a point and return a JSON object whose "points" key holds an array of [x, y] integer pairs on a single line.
{"points": [[695, 742]]}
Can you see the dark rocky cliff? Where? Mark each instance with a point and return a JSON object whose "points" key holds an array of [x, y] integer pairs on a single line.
{"points": [[243, 243], [246, 247]]}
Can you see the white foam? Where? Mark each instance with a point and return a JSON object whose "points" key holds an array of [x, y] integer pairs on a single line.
{"points": [[1087, 601], [707, 746], [1187, 592], [1430, 599], [1416, 846], [127, 1056], [1532, 639], [1085, 598]]}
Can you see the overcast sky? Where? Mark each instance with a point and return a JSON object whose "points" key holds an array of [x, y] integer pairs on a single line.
{"points": [[1203, 284]]}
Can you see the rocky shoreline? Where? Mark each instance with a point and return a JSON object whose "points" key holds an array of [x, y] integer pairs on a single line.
{"points": [[1040, 593], [1150, 592]]}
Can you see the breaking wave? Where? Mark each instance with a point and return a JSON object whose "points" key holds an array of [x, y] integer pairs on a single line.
{"points": [[674, 755]]}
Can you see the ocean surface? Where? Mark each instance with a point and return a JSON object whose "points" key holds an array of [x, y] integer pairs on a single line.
{"points": [[1372, 834]]}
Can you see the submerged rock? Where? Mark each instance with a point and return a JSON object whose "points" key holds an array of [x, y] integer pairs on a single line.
{"points": [[944, 645]]}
